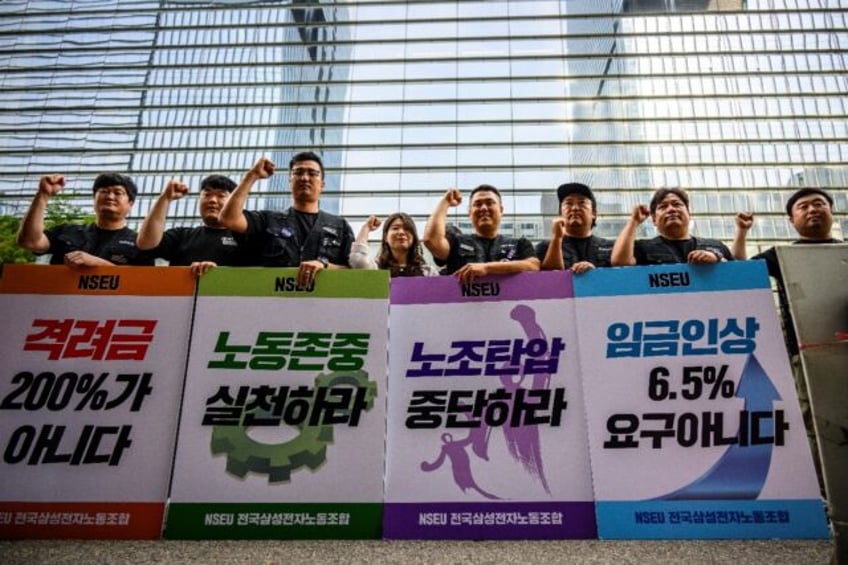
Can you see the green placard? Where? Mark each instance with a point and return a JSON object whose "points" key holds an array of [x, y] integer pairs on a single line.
{"points": [[266, 281], [275, 521]]}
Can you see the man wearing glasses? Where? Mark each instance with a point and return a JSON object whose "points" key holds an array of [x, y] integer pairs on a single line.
{"points": [[302, 236], [108, 241], [572, 245]]}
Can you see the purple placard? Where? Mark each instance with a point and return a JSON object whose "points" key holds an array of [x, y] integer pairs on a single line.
{"points": [[446, 289], [486, 520]]}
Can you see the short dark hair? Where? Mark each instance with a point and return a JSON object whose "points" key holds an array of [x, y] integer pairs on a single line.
{"points": [[804, 192], [105, 180], [218, 182], [661, 193], [485, 188], [306, 156]]}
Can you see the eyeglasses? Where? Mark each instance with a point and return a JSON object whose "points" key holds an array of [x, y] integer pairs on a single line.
{"points": [[117, 192], [313, 173], [578, 203]]}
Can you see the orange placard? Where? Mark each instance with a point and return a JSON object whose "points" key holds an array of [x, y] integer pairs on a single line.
{"points": [[81, 520], [58, 279]]}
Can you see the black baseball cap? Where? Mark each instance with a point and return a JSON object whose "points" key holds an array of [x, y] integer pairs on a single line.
{"points": [[576, 188]]}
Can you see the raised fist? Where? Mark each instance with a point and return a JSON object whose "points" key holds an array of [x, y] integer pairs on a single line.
{"points": [[453, 197], [558, 227], [264, 168], [744, 220], [175, 190], [51, 185], [640, 213], [373, 222]]}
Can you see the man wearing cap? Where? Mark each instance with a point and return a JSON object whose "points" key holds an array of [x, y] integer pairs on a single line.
{"points": [[669, 210], [303, 236], [203, 247], [572, 245], [108, 241], [810, 212], [485, 252]]}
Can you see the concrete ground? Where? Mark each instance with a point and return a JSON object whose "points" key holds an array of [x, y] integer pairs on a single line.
{"points": [[768, 552]]}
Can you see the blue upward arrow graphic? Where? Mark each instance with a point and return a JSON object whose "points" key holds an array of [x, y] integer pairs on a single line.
{"points": [[741, 472]]}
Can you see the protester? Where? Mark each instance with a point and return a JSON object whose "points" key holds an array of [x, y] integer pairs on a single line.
{"points": [[202, 247], [572, 244], [302, 236], [485, 252], [669, 210], [400, 248], [108, 241]]}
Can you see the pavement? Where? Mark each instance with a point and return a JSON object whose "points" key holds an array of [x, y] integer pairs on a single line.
{"points": [[770, 552]]}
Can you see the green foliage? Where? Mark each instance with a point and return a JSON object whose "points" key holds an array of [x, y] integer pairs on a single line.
{"points": [[9, 250], [60, 210]]}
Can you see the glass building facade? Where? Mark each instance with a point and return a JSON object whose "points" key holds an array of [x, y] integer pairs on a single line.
{"points": [[169, 89], [740, 102]]}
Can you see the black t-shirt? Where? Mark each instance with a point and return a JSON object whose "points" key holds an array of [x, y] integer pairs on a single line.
{"points": [[304, 222], [115, 246], [487, 245], [466, 249], [660, 250], [184, 246], [285, 239], [581, 246], [595, 250], [681, 248]]}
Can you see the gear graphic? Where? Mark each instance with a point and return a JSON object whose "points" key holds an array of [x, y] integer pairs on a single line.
{"points": [[358, 379], [308, 449]]}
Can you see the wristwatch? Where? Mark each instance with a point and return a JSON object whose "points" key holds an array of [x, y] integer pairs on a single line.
{"points": [[323, 261]]}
